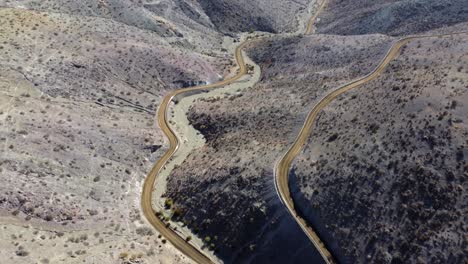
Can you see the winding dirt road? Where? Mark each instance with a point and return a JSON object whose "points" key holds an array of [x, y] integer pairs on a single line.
{"points": [[146, 197], [282, 167]]}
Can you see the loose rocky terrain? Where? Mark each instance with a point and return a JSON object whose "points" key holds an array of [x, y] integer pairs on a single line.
{"points": [[261, 15], [80, 82], [247, 132], [78, 97], [383, 176], [393, 17], [234, 190]]}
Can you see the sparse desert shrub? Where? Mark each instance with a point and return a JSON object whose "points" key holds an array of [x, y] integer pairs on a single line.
{"points": [[48, 217], [177, 212], [123, 255], [333, 137], [144, 231], [21, 252], [373, 128], [168, 203], [92, 212]]}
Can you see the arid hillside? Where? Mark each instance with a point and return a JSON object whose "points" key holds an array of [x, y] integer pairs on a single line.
{"points": [[184, 18], [392, 17], [383, 176], [247, 131], [78, 97], [261, 15], [80, 83]]}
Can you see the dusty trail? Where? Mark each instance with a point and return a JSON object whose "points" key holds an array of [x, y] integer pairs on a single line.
{"points": [[146, 197], [283, 165], [312, 20]]}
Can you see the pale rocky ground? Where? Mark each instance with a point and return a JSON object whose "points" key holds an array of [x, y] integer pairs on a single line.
{"points": [[383, 176], [78, 135], [65, 170], [80, 82], [393, 17]]}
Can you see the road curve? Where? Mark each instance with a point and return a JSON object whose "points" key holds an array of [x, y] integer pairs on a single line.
{"points": [[283, 165], [146, 196]]}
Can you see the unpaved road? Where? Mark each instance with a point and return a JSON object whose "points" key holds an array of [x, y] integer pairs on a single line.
{"points": [[148, 185], [283, 165], [310, 24]]}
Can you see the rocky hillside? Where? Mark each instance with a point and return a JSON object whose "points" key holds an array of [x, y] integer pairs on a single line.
{"points": [[177, 22], [261, 15], [78, 97], [247, 131], [393, 17], [80, 82], [177, 18], [383, 174], [382, 177]]}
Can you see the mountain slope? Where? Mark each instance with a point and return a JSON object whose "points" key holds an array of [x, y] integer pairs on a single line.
{"points": [[393, 17], [247, 131], [383, 172]]}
